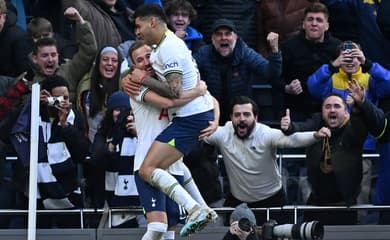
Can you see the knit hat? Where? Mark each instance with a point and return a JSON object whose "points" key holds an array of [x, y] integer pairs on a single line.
{"points": [[118, 99], [243, 211], [223, 22]]}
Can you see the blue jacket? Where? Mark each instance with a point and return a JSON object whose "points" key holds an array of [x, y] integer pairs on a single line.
{"points": [[232, 76], [326, 80], [374, 44], [194, 39]]}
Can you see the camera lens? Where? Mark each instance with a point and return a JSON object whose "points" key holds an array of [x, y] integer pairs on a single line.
{"points": [[244, 224], [306, 230]]}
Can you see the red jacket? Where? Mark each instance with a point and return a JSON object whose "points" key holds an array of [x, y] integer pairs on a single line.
{"points": [[10, 95]]}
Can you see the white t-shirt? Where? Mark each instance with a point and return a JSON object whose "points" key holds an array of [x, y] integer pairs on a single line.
{"points": [[173, 56], [150, 120]]}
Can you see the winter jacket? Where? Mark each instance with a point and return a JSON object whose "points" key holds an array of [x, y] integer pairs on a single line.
{"points": [[194, 39], [327, 79], [117, 168], [374, 78], [383, 18], [11, 90], [342, 185], [301, 58], [15, 45], [374, 44], [232, 76], [281, 16], [379, 126], [73, 70], [60, 149], [103, 25]]}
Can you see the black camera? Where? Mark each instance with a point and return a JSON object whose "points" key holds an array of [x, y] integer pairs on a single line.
{"points": [[305, 230], [244, 224]]}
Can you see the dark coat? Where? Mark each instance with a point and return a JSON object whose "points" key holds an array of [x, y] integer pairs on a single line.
{"points": [[281, 16], [105, 26], [15, 45], [50, 162], [379, 127], [383, 18], [346, 159], [11, 90], [301, 58], [227, 77]]}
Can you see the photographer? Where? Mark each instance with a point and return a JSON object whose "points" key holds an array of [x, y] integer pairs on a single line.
{"points": [[243, 224], [61, 147], [112, 160], [243, 227]]}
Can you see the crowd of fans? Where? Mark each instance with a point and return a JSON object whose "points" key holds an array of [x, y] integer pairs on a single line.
{"points": [[309, 52]]}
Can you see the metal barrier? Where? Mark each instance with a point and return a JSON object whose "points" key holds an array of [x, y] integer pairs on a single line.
{"points": [[139, 211]]}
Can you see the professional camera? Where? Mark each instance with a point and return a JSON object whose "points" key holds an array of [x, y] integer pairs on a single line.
{"points": [[54, 101], [305, 230]]}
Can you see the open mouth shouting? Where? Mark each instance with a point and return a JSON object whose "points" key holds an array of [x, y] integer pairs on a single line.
{"points": [[49, 69], [333, 120]]}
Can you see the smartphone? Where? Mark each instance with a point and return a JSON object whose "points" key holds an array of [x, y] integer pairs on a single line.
{"points": [[348, 46]]}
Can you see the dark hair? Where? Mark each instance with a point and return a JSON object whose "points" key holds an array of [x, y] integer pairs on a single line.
{"points": [[335, 95], [107, 124], [317, 7], [239, 100], [150, 10], [39, 25], [43, 42], [54, 81], [172, 6], [138, 44], [101, 89]]}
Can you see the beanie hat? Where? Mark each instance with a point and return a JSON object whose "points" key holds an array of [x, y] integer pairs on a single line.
{"points": [[243, 211], [118, 99]]}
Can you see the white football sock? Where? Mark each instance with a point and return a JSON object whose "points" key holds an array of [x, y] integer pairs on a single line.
{"points": [[169, 235], [155, 231], [191, 187], [167, 184]]}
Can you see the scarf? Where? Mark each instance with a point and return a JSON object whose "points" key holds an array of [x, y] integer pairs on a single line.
{"points": [[326, 165]]}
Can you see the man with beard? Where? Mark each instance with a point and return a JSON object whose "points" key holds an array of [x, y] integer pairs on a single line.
{"points": [[150, 111], [228, 64], [352, 63], [172, 60], [334, 165], [249, 153]]}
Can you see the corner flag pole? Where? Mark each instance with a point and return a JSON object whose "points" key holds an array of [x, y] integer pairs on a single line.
{"points": [[32, 194]]}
